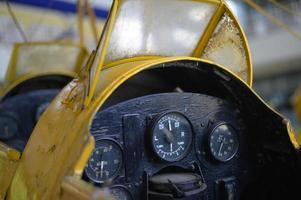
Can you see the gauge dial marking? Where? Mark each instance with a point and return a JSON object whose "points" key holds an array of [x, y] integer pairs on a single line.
{"points": [[223, 142], [171, 136], [169, 124], [105, 161]]}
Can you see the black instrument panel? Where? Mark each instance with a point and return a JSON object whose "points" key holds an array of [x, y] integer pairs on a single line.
{"points": [[19, 115], [175, 135]]}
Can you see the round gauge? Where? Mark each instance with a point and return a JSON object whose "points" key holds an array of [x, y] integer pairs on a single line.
{"points": [[120, 193], [105, 161], [41, 109], [8, 127], [171, 136], [223, 142]]}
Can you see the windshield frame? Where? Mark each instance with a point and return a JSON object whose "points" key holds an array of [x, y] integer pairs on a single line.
{"points": [[101, 51]]}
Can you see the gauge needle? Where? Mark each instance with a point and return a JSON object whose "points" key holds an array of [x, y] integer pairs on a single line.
{"points": [[101, 168], [220, 147], [168, 135], [169, 124], [170, 147]]}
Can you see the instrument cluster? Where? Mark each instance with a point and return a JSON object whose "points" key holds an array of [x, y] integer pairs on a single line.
{"points": [[170, 145], [19, 115]]}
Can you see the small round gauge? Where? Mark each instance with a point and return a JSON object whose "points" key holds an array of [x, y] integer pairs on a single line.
{"points": [[105, 161], [120, 192], [8, 127], [171, 136], [41, 109], [223, 142]]}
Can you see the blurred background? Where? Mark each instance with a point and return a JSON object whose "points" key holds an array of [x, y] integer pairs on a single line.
{"points": [[273, 28]]}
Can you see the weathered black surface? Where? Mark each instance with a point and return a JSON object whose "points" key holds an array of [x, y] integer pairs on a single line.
{"points": [[23, 109], [47, 82], [129, 124]]}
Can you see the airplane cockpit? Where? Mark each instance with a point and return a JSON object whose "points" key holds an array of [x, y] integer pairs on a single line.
{"points": [[163, 108]]}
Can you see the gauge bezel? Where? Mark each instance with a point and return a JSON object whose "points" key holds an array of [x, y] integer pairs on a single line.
{"points": [[151, 134], [236, 147], [124, 188], [121, 162]]}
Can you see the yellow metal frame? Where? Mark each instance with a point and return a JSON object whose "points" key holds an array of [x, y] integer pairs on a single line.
{"points": [[203, 42], [11, 71], [106, 39], [81, 4], [60, 143], [75, 189], [9, 159], [11, 80], [222, 8], [81, 164], [297, 103]]}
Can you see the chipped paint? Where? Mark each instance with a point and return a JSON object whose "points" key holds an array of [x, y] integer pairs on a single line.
{"points": [[225, 47]]}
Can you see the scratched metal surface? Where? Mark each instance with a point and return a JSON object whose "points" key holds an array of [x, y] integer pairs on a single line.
{"points": [[226, 48]]}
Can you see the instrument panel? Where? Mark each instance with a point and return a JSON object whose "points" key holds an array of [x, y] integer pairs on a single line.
{"points": [[19, 115], [170, 145], [173, 146]]}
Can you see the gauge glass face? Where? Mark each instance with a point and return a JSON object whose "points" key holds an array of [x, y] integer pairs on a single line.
{"points": [[121, 193], [105, 161], [8, 127], [223, 142], [171, 137]]}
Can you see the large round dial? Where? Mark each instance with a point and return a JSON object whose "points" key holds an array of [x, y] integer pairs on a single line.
{"points": [[8, 127], [223, 142], [105, 161], [171, 136]]}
